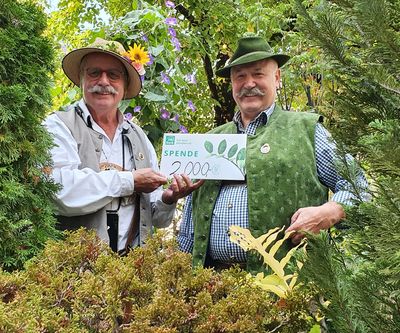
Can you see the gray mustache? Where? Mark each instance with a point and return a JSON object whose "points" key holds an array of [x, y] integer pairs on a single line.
{"points": [[103, 89], [250, 92]]}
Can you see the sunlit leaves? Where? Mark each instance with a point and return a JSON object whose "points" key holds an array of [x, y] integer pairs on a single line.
{"points": [[267, 245]]}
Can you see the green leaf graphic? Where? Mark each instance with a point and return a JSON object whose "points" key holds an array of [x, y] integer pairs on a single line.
{"points": [[241, 155], [209, 146], [232, 151], [222, 147]]}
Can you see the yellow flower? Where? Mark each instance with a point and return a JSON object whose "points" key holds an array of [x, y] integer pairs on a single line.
{"points": [[137, 54]]}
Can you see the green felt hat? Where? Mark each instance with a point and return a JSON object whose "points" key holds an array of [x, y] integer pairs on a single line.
{"points": [[250, 49]]}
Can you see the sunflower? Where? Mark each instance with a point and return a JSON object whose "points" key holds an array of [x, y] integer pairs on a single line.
{"points": [[137, 54]]}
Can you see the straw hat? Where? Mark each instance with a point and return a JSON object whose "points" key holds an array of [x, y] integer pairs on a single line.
{"points": [[251, 48], [71, 63]]}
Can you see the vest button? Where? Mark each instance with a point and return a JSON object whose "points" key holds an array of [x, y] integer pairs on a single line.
{"points": [[211, 200], [203, 237], [100, 136], [97, 150], [206, 216]]}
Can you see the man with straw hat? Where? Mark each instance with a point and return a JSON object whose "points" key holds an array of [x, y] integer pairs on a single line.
{"points": [[105, 164], [289, 169]]}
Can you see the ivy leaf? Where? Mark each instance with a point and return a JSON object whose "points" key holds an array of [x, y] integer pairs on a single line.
{"points": [[232, 151], [209, 146], [222, 147]]}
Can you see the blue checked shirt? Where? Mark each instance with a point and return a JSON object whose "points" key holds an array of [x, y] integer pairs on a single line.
{"points": [[231, 205]]}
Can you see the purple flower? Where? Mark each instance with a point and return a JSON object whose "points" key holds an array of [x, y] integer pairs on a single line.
{"points": [[177, 44], [164, 113], [128, 116], [169, 4], [144, 38], [137, 108], [191, 78], [164, 78], [150, 62], [191, 106], [183, 129], [176, 118], [171, 21], [142, 78], [172, 32]]}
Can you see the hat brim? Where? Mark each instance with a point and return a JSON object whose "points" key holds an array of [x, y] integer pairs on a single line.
{"points": [[281, 59], [71, 66]]}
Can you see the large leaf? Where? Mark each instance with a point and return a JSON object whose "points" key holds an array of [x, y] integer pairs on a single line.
{"points": [[155, 97]]}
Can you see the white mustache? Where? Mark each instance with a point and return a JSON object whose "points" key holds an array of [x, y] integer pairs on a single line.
{"points": [[250, 92], [103, 89]]}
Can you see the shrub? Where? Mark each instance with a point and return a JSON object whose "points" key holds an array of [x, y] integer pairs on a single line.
{"points": [[79, 285], [26, 219]]}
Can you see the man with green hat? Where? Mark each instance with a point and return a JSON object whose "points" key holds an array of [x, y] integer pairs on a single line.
{"points": [[289, 169], [105, 164]]}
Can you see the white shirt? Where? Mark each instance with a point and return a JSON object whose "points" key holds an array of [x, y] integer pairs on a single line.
{"points": [[85, 191]]}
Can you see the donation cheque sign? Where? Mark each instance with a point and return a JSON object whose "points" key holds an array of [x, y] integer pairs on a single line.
{"points": [[204, 156]]}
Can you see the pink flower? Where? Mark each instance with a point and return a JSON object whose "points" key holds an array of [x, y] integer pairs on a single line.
{"points": [[139, 67]]}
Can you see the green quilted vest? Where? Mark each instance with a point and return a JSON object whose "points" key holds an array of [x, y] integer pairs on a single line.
{"points": [[278, 182]]}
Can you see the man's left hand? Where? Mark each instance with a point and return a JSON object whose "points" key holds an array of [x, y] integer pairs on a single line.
{"points": [[315, 219], [181, 187]]}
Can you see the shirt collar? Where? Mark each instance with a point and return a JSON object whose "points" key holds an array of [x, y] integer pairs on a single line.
{"points": [[264, 115]]}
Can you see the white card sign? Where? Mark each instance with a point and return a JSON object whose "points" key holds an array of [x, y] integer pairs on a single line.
{"points": [[204, 156]]}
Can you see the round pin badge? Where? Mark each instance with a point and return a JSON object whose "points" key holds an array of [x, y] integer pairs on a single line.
{"points": [[265, 148]]}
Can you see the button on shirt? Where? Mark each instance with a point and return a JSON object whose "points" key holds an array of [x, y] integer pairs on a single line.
{"points": [[84, 190], [231, 204]]}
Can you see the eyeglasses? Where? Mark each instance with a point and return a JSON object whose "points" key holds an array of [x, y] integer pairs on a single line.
{"points": [[112, 74]]}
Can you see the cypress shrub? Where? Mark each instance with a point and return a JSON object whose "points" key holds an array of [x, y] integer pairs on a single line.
{"points": [[26, 58]]}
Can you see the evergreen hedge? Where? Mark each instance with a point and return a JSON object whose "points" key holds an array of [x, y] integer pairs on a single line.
{"points": [[26, 58]]}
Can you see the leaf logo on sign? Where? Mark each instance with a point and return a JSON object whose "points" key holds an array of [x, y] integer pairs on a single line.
{"points": [[232, 154]]}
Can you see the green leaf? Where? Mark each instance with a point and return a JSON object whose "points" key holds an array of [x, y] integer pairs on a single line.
{"points": [[232, 151], [154, 97], [241, 155], [222, 147], [315, 329], [209, 146]]}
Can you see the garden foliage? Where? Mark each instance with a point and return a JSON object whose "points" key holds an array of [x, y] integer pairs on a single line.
{"points": [[360, 277], [79, 285], [26, 57]]}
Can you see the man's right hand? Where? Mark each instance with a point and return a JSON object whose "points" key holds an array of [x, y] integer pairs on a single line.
{"points": [[147, 180]]}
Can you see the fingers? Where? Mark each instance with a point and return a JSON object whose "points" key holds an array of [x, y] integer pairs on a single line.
{"points": [[180, 187], [147, 180]]}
